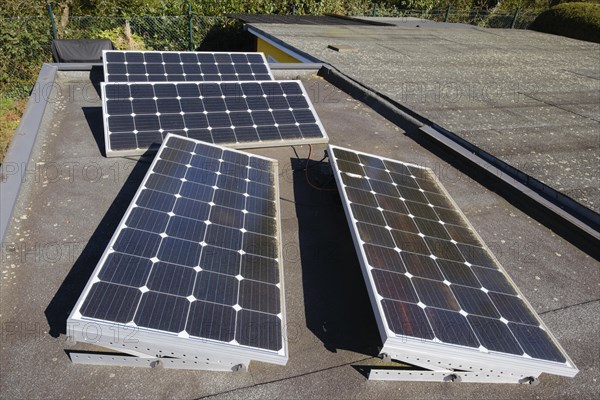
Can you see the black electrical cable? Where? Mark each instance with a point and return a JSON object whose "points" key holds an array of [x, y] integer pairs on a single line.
{"points": [[323, 189]]}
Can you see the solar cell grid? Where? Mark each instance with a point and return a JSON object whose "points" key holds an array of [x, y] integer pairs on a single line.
{"points": [[187, 262], [170, 66], [137, 116], [432, 276]]}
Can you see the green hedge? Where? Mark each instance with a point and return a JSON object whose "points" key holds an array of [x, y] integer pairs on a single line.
{"points": [[574, 20], [25, 46], [557, 2]]}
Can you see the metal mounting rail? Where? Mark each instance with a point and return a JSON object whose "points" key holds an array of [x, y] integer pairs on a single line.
{"points": [[124, 360], [404, 375]]}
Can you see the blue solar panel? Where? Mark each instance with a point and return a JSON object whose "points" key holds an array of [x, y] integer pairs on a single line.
{"points": [[431, 277], [174, 66], [137, 116], [189, 262]]}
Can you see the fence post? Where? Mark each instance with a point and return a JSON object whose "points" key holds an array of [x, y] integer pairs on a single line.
{"points": [[294, 9], [447, 13], [51, 14], [374, 13], [514, 21], [191, 28]]}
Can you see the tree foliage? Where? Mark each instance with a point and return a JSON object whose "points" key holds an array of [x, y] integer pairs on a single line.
{"points": [[574, 20], [25, 46], [129, 8]]}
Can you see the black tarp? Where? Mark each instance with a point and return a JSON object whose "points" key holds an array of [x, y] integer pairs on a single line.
{"points": [[79, 50]]}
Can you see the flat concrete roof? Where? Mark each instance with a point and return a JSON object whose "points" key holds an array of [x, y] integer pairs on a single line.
{"points": [[73, 198], [528, 98]]}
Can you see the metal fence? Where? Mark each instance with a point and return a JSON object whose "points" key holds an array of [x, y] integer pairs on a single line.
{"points": [[176, 32], [26, 40]]}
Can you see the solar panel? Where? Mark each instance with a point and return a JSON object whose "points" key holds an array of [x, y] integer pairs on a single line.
{"points": [[438, 293], [137, 116], [196, 259], [175, 66]]}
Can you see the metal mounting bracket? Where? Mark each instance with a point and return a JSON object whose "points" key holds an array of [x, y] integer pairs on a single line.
{"points": [[125, 360], [404, 375], [441, 372]]}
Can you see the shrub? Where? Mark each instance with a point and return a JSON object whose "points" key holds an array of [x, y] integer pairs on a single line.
{"points": [[226, 35], [25, 46], [574, 20], [122, 38], [557, 2]]}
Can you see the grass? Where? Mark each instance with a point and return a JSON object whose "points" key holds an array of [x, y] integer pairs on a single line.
{"points": [[10, 115]]}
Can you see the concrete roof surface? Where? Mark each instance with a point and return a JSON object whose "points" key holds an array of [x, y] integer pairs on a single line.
{"points": [[73, 198], [530, 99]]}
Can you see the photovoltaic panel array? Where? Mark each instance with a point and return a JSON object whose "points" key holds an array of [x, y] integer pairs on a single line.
{"points": [[173, 66], [197, 254], [137, 116], [430, 276]]}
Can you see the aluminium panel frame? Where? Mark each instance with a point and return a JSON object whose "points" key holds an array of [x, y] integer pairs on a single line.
{"points": [[427, 353], [232, 145], [154, 343]]}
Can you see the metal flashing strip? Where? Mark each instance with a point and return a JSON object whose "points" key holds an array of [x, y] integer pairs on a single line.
{"points": [[15, 162], [534, 189], [281, 45]]}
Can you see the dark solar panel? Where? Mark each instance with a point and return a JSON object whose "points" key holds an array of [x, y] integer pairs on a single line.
{"points": [[186, 66], [137, 116], [187, 262], [432, 277]]}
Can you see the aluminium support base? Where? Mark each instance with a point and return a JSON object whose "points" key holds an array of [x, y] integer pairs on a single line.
{"points": [[404, 375], [125, 360], [436, 373], [141, 351], [135, 358]]}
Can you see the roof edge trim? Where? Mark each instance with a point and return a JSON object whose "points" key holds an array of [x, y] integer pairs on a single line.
{"points": [[15, 162], [286, 48]]}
